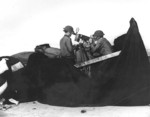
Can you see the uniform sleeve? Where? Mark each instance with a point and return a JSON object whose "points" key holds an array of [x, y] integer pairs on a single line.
{"points": [[69, 45], [94, 48]]}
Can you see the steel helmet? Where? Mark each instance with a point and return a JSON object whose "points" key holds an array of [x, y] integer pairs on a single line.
{"points": [[69, 29], [98, 33]]}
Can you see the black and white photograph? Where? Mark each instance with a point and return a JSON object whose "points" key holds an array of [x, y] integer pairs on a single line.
{"points": [[74, 58]]}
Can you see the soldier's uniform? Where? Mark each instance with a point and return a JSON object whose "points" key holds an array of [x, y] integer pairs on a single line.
{"points": [[102, 46], [66, 46]]}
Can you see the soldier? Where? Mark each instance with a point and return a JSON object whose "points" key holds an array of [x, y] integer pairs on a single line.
{"points": [[66, 46], [100, 46]]}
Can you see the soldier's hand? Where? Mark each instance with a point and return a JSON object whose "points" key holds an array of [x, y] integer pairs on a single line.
{"points": [[90, 41]]}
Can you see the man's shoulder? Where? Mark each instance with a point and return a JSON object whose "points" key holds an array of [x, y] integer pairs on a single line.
{"points": [[65, 38], [104, 40]]}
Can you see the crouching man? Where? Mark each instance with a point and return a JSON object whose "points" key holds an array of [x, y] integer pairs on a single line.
{"points": [[100, 46]]}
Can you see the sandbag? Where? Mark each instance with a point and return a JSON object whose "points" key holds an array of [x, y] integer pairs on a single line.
{"points": [[52, 52]]}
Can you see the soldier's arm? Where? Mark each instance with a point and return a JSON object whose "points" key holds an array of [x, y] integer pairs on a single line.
{"points": [[69, 45], [94, 48]]}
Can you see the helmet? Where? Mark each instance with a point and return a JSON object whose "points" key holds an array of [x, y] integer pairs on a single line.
{"points": [[69, 29], [98, 33]]}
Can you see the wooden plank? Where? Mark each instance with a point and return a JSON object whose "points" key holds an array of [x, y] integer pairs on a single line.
{"points": [[98, 59]]}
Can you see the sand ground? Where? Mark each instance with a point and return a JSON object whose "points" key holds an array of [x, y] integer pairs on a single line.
{"points": [[35, 109]]}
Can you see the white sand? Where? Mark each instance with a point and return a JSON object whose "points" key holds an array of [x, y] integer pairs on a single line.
{"points": [[41, 110]]}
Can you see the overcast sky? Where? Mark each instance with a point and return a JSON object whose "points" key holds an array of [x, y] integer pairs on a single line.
{"points": [[27, 23]]}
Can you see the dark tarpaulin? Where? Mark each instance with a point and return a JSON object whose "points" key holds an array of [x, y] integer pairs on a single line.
{"points": [[124, 80]]}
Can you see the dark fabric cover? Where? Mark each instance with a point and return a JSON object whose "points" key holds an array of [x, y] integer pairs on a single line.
{"points": [[122, 80], [5, 76], [55, 81], [22, 56], [125, 80], [119, 42], [17, 83]]}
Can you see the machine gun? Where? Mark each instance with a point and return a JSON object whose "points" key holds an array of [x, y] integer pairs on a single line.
{"points": [[82, 37]]}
